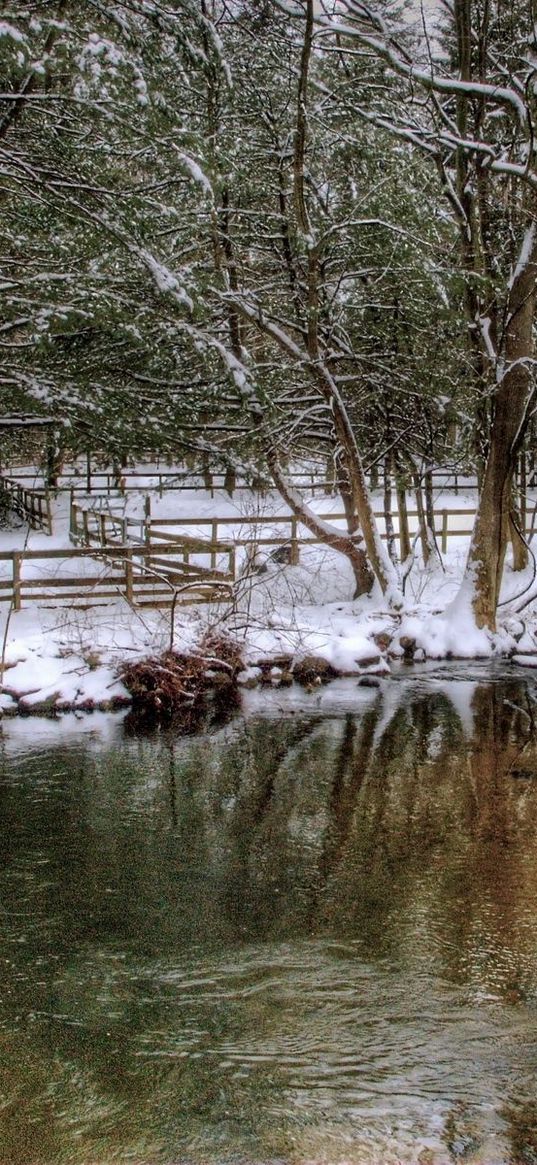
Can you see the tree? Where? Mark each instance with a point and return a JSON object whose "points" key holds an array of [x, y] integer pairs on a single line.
{"points": [[303, 292], [204, 251], [92, 181], [471, 114]]}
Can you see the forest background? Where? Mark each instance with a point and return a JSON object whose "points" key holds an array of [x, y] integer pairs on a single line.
{"points": [[253, 232]]}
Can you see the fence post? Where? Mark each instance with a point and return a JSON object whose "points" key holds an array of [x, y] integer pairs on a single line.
{"points": [[128, 577], [232, 567], [85, 526], [17, 557], [214, 540], [72, 516], [294, 557], [147, 519], [444, 531], [102, 528]]}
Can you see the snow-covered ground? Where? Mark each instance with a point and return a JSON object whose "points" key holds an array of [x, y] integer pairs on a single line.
{"points": [[66, 656]]}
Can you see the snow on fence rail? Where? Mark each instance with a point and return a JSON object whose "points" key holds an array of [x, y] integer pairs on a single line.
{"points": [[29, 502]]}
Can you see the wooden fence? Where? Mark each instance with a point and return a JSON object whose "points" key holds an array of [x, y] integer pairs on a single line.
{"points": [[290, 531], [273, 530], [158, 562], [104, 529], [105, 481], [101, 527], [48, 577], [89, 524], [31, 503]]}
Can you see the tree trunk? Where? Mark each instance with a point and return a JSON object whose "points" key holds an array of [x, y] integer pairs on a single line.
{"points": [[53, 461], [230, 481], [520, 550], [405, 549], [523, 491], [388, 517], [347, 544], [207, 474], [518, 519], [330, 477], [422, 521], [429, 501], [513, 397], [364, 575]]}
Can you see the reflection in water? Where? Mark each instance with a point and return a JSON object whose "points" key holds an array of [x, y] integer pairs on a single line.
{"points": [[305, 939]]}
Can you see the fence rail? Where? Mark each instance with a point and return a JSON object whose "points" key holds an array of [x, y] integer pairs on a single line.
{"points": [[105, 481], [219, 535], [249, 529], [126, 571]]}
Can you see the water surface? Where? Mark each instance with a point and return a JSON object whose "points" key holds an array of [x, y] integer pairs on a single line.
{"points": [[307, 937]]}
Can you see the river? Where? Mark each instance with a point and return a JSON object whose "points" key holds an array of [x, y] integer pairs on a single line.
{"points": [[307, 936]]}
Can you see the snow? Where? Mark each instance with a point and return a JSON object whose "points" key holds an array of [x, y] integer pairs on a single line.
{"points": [[249, 676], [500, 95], [196, 173], [10, 30], [452, 633], [165, 280], [525, 254], [526, 660], [69, 656]]}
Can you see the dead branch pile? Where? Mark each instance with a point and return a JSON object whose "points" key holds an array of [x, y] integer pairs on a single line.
{"points": [[180, 684]]}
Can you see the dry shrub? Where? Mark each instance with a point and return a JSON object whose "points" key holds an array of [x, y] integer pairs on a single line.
{"points": [[222, 652], [180, 685]]}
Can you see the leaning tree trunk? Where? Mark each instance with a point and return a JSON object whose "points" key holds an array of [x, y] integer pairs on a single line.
{"points": [[362, 570], [348, 544], [484, 567]]}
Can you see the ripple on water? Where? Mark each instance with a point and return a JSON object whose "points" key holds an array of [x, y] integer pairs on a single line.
{"points": [[306, 942]]}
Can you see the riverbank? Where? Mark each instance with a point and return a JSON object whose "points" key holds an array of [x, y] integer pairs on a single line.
{"points": [[59, 661], [288, 622]]}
